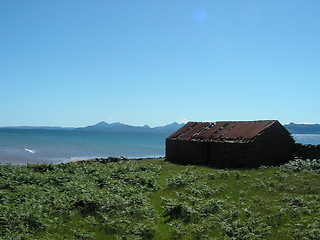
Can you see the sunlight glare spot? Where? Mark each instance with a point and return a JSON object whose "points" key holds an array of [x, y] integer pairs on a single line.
{"points": [[199, 15]]}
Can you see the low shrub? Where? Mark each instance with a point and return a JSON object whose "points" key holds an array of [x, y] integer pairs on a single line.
{"points": [[301, 165]]}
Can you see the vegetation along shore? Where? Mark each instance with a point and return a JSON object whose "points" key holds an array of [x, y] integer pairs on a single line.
{"points": [[155, 199]]}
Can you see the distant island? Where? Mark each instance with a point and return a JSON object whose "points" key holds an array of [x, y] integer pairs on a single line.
{"points": [[109, 127], [120, 127], [293, 128]]}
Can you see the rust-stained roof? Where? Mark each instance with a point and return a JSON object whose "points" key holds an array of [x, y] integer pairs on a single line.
{"points": [[241, 132]]}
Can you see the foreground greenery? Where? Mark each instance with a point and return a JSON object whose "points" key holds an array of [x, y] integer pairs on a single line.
{"points": [[155, 199]]}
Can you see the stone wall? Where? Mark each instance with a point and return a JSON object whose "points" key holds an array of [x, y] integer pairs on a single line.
{"points": [[228, 155], [185, 152], [274, 147], [307, 151]]}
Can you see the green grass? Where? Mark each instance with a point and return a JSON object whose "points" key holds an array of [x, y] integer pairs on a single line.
{"points": [[155, 199]]}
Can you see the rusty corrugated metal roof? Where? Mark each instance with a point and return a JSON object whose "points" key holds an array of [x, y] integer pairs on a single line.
{"points": [[242, 131]]}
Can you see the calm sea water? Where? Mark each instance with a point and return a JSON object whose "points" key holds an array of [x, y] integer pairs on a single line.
{"points": [[313, 139], [52, 146]]}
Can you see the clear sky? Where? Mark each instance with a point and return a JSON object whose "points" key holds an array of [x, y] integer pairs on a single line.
{"points": [[75, 63]]}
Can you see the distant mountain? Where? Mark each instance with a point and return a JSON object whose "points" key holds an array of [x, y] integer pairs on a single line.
{"points": [[40, 128], [120, 127], [172, 126], [294, 128], [109, 127], [112, 127]]}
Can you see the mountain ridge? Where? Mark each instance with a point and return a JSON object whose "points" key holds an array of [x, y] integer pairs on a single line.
{"points": [[293, 128], [121, 127], [106, 127], [296, 128]]}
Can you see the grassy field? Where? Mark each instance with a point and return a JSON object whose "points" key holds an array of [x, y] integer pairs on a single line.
{"points": [[155, 199]]}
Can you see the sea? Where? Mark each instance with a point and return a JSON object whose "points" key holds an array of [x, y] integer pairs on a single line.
{"points": [[22, 146], [26, 146]]}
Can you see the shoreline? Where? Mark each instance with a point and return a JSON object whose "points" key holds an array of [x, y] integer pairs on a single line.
{"points": [[114, 159], [76, 159]]}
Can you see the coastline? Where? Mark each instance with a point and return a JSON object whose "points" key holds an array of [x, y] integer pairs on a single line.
{"points": [[20, 161], [114, 159]]}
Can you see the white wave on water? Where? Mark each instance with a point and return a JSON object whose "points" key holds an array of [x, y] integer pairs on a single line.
{"points": [[30, 150]]}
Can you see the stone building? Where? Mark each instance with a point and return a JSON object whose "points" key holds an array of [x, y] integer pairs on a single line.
{"points": [[231, 144]]}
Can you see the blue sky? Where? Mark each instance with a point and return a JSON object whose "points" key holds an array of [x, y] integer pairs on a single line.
{"points": [[75, 63]]}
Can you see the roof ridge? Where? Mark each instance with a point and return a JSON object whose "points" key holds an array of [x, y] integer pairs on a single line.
{"points": [[237, 131]]}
